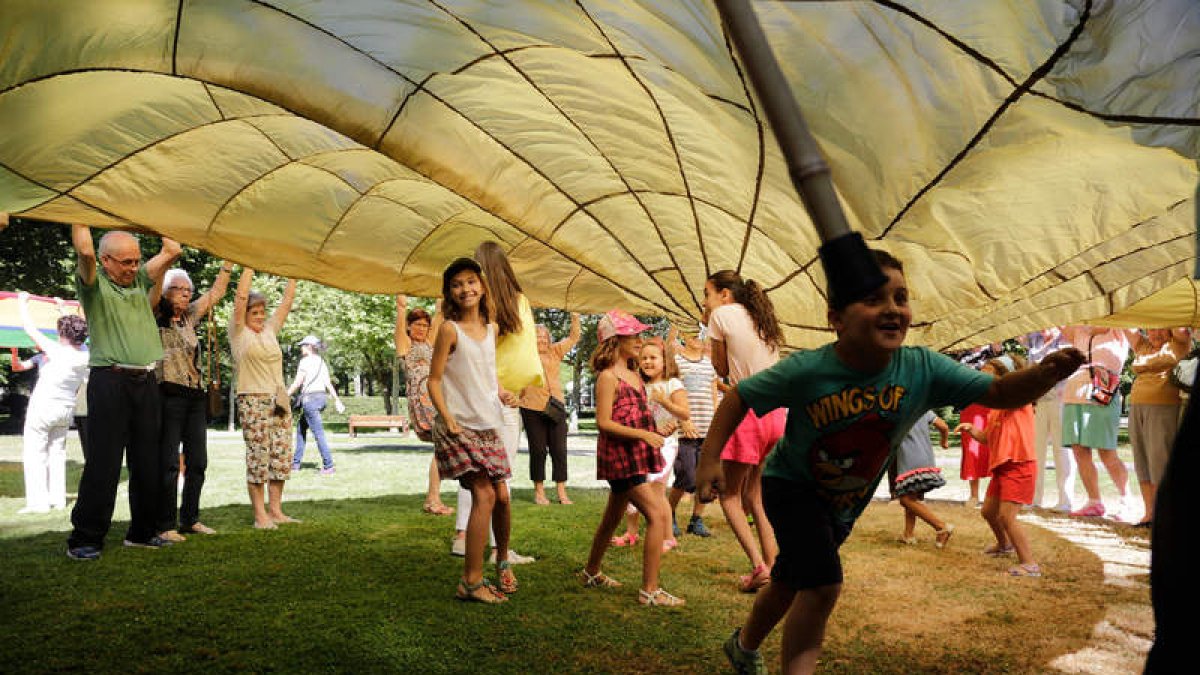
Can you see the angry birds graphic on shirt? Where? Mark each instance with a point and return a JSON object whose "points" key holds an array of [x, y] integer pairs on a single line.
{"points": [[845, 463]]}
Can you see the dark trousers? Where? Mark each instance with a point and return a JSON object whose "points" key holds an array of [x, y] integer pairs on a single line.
{"points": [[81, 429], [546, 433], [184, 420], [123, 419]]}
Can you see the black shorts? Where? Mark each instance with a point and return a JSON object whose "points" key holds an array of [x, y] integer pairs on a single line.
{"points": [[808, 536], [685, 464], [622, 485]]}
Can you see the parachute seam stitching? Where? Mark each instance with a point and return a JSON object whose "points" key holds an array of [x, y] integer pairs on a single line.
{"points": [[761, 151], [674, 150], [175, 40], [403, 104], [538, 170], [1007, 103]]}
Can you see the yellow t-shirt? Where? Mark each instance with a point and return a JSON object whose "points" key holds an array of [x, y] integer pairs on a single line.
{"points": [[517, 362]]}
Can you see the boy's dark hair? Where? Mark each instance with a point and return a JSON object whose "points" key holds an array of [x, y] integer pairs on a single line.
{"points": [[886, 260], [750, 295]]}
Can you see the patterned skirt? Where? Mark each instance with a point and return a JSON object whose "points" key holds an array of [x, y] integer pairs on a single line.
{"points": [[471, 450], [919, 481]]}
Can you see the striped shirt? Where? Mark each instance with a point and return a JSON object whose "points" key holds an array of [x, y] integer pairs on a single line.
{"points": [[697, 377]]}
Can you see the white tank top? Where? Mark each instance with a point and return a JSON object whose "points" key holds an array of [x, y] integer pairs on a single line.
{"points": [[469, 381]]}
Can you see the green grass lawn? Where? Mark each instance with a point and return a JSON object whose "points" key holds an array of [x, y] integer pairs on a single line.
{"points": [[366, 584]]}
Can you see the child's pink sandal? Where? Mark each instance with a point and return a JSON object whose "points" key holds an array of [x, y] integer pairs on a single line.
{"points": [[624, 540], [757, 578]]}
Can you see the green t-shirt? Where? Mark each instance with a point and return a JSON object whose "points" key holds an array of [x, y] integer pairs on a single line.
{"points": [[120, 324], [843, 425]]}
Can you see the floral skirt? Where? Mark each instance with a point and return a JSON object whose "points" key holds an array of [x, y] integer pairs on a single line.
{"points": [[268, 438], [469, 451]]}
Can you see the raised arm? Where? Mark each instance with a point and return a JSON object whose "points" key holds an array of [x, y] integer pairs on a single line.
{"points": [[285, 306], [564, 345], [44, 343], [403, 342], [85, 253], [240, 297], [1026, 386], [213, 295], [157, 266]]}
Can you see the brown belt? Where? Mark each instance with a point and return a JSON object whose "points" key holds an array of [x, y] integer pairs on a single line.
{"points": [[124, 370]]}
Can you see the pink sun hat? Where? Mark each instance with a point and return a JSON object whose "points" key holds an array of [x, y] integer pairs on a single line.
{"points": [[615, 322]]}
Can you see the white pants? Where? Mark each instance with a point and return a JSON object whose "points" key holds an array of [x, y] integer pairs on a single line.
{"points": [[510, 435], [1048, 436], [45, 456]]}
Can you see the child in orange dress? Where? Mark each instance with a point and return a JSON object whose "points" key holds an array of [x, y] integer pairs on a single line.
{"points": [[1013, 465]]}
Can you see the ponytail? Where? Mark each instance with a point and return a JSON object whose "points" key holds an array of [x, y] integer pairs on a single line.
{"points": [[749, 294]]}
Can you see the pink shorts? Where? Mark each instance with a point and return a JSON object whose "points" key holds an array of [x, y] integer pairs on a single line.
{"points": [[754, 437], [1013, 482]]}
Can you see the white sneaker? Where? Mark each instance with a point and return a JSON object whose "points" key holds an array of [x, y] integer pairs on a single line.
{"points": [[458, 547], [514, 558]]}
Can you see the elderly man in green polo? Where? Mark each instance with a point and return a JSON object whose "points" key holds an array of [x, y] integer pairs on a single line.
{"points": [[122, 394]]}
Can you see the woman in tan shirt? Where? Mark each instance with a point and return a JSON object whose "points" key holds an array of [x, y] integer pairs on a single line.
{"points": [[1154, 407], [544, 414]]}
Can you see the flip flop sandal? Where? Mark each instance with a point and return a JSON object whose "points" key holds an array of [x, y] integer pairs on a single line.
{"points": [[470, 593], [943, 536], [995, 552], [508, 580], [1033, 570], [624, 540], [597, 580]]}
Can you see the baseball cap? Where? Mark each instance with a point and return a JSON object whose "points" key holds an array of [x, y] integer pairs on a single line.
{"points": [[615, 322]]}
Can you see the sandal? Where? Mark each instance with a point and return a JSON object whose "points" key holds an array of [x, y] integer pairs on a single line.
{"points": [[911, 541], [999, 551], [760, 576], [597, 580], [659, 598], [471, 592], [508, 580], [943, 536], [624, 540], [1030, 570], [437, 509]]}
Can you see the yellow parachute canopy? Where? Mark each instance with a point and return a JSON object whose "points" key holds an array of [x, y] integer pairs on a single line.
{"points": [[1031, 161]]}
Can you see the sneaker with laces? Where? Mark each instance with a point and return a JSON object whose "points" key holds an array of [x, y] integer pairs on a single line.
{"points": [[514, 558], [153, 542], [744, 661], [1090, 510], [458, 547], [327, 471], [83, 553], [697, 527]]}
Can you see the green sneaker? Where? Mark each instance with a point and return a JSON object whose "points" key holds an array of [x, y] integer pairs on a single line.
{"points": [[744, 661]]}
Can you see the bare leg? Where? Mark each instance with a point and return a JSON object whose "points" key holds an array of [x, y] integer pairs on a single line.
{"points": [[648, 498], [731, 503], [910, 523], [539, 493], [502, 519], [631, 524], [991, 513], [770, 605], [562, 493], [974, 485], [1087, 472], [1116, 470], [483, 500], [752, 491], [258, 501], [916, 508], [613, 511], [1016, 534], [275, 490], [1148, 492], [433, 492], [804, 630]]}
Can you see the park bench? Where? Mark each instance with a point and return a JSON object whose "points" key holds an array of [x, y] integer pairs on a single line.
{"points": [[393, 422]]}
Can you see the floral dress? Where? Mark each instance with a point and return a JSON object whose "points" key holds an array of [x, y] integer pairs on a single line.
{"points": [[619, 458], [416, 373]]}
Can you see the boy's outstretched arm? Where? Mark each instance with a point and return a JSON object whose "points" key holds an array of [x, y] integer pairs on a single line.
{"points": [[710, 480], [1026, 386]]}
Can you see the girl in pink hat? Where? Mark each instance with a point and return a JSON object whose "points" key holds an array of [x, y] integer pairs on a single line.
{"points": [[627, 452]]}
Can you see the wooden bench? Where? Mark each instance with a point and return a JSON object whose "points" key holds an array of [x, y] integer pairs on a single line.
{"points": [[393, 422]]}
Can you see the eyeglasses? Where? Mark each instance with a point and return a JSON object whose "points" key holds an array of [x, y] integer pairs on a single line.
{"points": [[128, 262], [180, 289]]}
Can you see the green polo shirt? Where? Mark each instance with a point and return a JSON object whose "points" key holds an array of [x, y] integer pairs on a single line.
{"points": [[120, 324]]}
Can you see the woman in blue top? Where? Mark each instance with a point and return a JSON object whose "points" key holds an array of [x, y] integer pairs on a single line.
{"points": [[850, 402]]}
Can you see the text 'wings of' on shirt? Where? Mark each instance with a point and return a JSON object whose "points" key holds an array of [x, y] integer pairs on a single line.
{"points": [[843, 424]]}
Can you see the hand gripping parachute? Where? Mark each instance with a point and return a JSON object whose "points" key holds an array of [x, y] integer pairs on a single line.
{"points": [[1030, 161]]}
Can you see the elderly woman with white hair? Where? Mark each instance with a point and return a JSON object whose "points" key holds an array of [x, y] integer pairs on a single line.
{"points": [[184, 400]]}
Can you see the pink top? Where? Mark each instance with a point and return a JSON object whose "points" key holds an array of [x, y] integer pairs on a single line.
{"points": [[746, 351], [1109, 347]]}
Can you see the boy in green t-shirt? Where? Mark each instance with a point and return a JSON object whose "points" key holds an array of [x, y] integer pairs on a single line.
{"points": [[850, 403]]}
